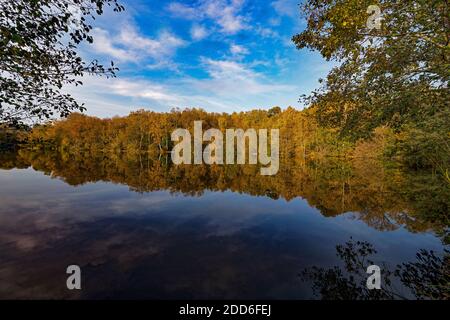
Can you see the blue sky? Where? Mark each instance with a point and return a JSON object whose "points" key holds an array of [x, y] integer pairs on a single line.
{"points": [[219, 55]]}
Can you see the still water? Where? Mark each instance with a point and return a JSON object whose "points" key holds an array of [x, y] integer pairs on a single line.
{"points": [[142, 229]]}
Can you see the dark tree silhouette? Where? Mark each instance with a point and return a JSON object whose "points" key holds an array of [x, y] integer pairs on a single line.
{"points": [[427, 278], [38, 42]]}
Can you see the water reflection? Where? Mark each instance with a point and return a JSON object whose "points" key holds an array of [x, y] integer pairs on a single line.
{"points": [[428, 277], [141, 228]]}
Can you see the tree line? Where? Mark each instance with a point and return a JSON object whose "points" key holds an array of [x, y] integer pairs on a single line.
{"points": [[302, 138]]}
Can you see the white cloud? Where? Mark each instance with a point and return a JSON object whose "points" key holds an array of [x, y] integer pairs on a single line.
{"points": [[226, 16], [140, 89], [198, 32], [164, 45], [266, 32], [274, 22], [130, 46], [119, 96], [288, 8], [104, 44], [163, 65], [183, 11], [230, 78], [238, 50], [225, 13]]}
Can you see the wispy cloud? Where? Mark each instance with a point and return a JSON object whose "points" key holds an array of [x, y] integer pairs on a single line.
{"points": [[131, 46], [164, 45], [230, 77], [141, 89], [266, 32], [238, 50], [288, 8], [104, 44], [226, 14], [184, 11], [198, 32], [132, 88]]}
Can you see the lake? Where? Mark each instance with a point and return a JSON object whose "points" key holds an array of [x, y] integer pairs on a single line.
{"points": [[140, 228]]}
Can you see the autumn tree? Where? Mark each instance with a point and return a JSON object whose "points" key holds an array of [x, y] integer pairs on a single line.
{"points": [[392, 75], [38, 42]]}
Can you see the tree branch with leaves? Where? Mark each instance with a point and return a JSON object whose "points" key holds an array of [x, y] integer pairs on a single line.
{"points": [[38, 56]]}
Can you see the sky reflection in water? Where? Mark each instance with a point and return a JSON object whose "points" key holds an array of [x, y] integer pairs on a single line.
{"points": [[163, 245]]}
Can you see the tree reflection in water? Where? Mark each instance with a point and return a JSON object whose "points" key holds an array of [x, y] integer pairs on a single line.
{"points": [[382, 195], [427, 278]]}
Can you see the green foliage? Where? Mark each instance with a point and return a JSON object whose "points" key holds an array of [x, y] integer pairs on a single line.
{"points": [[274, 111], [38, 42], [427, 144], [12, 136], [394, 76]]}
